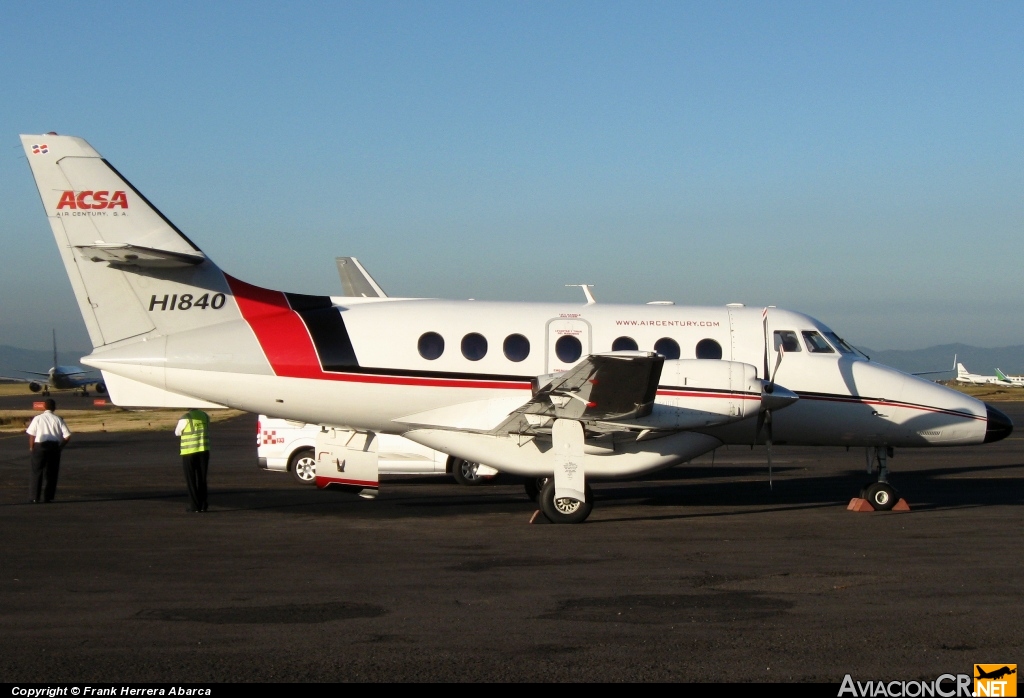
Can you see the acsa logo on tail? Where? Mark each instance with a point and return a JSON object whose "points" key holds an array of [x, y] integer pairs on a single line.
{"points": [[92, 200]]}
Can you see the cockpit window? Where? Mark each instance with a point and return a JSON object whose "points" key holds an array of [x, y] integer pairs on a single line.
{"points": [[786, 339], [840, 344], [816, 344]]}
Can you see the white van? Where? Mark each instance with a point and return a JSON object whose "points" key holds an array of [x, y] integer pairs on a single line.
{"points": [[287, 446]]}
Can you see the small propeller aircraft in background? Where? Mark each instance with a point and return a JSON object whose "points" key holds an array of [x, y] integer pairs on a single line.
{"points": [[61, 377]]}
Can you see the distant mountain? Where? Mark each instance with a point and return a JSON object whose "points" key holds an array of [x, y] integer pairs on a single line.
{"points": [[1009, 360], [14, 358]]}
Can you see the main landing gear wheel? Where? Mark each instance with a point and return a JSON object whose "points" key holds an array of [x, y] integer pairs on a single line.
{"points": [[533, 487], [881, 496], [565, 510], [466, 472], [302, 466]]}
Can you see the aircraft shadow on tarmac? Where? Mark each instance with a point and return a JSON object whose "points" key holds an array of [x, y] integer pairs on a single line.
{"points": [[929, 489]]}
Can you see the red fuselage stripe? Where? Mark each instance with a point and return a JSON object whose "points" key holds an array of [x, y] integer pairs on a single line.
{"points": [[289, 348]]}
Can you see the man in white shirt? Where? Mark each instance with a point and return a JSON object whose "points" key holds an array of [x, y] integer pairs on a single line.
{"points": [[47, 435]]}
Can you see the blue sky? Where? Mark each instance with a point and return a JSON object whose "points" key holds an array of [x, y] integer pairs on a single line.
{"points": [[861, 162]]}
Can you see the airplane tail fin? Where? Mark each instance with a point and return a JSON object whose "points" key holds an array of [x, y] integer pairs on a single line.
{"points": [[55, 364], [1002, 376], [126, 261], [961, 371]]}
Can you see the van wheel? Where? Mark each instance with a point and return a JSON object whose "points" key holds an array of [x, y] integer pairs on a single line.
{"points": [[466, 472], [302, 466]]}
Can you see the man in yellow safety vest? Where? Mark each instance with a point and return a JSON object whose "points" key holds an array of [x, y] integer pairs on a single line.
{"points": [[194, 430]]}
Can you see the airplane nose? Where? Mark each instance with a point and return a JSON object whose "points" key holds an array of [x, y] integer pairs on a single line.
{"points": [[999, 425]]}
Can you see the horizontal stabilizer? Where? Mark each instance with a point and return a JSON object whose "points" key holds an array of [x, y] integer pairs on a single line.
{"points": [[125, 255]]}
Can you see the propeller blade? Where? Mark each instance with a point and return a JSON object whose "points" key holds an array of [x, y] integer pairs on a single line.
{"points": [[764, 322], [778, 362]]}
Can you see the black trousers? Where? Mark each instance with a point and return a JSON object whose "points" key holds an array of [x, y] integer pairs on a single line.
{"points": [[196, 465], [45, 467]]}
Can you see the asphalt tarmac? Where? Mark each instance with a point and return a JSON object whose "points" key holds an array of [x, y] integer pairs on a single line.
{"points": [[698, 573]]}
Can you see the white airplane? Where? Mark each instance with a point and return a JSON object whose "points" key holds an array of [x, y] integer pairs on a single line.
{"points": [[61, 377], [965, 376], [563, 391]]}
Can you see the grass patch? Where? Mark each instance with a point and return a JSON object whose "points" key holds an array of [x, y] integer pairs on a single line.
{"points": [[114, 419], [990, 393]]}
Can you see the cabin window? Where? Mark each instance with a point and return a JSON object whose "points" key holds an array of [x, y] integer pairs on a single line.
{"points": [[474, 346], [431, 345], [840, 343], [624, 344], [709, 349], [786, 339], [568, 349], [516, 347], [669, 348], [816, 344]]}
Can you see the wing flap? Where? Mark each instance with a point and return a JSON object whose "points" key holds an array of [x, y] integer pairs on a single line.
{"points": [[603, 387]]}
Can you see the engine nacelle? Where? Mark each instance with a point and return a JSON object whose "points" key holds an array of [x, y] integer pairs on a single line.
{"points": [[101, 389], [34, 387]]}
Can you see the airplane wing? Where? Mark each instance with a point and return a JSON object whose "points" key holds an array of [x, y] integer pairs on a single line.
{"points": [[32, 373], [356, 281], [616, 386], [602, 387]]}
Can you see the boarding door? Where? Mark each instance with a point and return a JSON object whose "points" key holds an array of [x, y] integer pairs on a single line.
{"points": [[568, 341]]}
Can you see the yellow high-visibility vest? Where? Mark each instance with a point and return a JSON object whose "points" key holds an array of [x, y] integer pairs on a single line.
{"points": [[194, 437]]}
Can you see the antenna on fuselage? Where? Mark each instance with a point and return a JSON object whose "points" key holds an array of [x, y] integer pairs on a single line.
{"points": [[586, 292]]}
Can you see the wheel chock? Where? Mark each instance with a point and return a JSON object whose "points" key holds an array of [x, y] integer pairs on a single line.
{"points": [[861, 504], [539, 518]]}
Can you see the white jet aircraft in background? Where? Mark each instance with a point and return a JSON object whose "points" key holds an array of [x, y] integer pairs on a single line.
{"points": [[61, 377], [563, 391], [965, 376]]}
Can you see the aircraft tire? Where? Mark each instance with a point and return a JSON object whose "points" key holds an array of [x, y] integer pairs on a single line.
{"points": [[533, 487], [302, 466], [565, 511], [881, 496], [465, 472]]}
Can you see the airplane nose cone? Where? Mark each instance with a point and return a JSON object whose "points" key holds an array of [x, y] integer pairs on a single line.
{"points": [[775, 397], [999, 425]]}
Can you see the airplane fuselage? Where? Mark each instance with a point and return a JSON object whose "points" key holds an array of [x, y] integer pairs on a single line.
{"points": [[367, 363]]}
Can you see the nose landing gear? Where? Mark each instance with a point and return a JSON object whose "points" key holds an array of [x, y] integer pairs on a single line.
{"points": [[880, 495]]}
